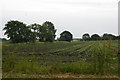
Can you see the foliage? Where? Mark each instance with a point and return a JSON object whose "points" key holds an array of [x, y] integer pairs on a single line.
{"points": [[34, 29], [66, 36], [118, 37], [108, 37], [17, 31], [86, 37], [105, 36], [49, 31], [95, 37]]}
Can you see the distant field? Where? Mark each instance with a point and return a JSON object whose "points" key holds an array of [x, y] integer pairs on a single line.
{"points": [[75, 58]]}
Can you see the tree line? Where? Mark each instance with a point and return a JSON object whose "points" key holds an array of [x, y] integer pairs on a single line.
{"points": [[105, 36], [19, 32]]}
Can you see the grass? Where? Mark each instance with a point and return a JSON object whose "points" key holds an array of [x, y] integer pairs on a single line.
{"points": [[93, 58], [0, 60]]}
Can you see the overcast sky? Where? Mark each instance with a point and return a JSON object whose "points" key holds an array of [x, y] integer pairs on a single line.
{"points": [[76, 16]]}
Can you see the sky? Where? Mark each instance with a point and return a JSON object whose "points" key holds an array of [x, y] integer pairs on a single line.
{"points": [[77, 16]]}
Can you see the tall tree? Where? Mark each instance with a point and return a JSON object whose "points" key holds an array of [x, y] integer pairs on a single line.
{"points": [[48, 31], [34, 31], [41, 33], [66, 36], [17, 31], [86, 37]]}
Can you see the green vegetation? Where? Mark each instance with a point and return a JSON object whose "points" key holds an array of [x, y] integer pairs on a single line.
{"points": [[18, 32], [0, 60], [37, 53], [45, 58], [66, 36], [86, 37]]}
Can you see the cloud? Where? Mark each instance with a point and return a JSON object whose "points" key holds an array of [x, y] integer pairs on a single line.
{"points": [[36, 5], [73, 15]]}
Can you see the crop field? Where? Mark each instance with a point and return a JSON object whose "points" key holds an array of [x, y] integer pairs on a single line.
{"points": [[61, 59]]}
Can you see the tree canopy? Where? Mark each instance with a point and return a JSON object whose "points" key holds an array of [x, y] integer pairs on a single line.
{"points": [[95, 37], [108, 36], [17, 31], [49, 32], [66, 36], [86, 37]]}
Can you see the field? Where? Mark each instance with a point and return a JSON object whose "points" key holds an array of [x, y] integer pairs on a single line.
{"points": [[77, 59]]}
